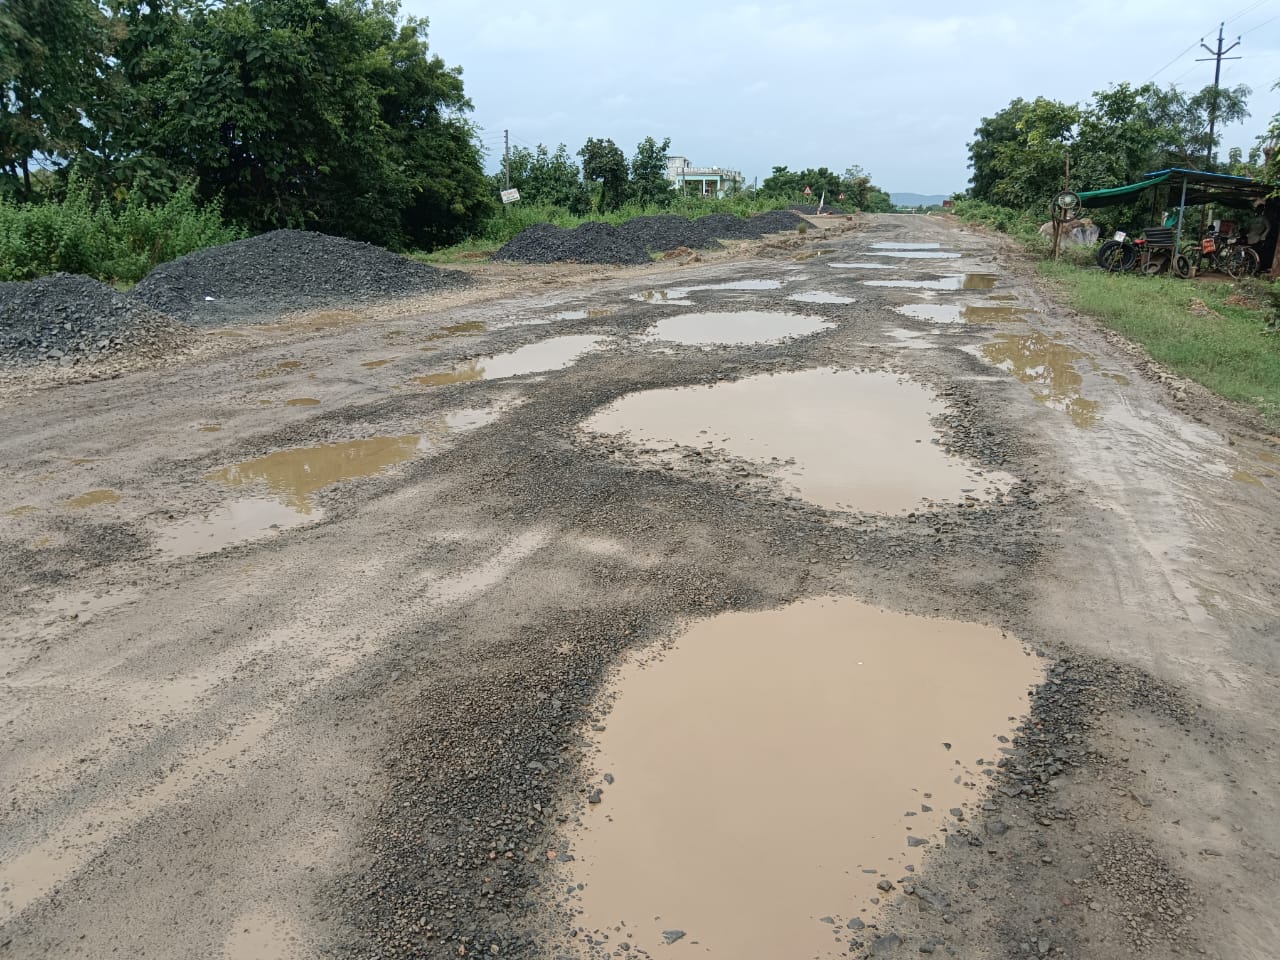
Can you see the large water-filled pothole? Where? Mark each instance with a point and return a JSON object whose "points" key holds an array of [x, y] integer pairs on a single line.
{"points": [[746, 326], [844, 440], [820, 296], [229, 524], [760, 778], [680, 295], [958, 281], [1049, 367], [554, 353], [295, 474], [964, 313], [887, 245], [919, 254]]}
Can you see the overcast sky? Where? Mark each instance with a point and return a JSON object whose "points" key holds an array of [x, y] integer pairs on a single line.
{"points": [[897, 88]]}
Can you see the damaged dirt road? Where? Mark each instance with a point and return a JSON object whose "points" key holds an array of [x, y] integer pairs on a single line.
{"points": [[883, 607]]}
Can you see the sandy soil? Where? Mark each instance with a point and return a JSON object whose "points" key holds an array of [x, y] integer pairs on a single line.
{"points": [[360, 731]]}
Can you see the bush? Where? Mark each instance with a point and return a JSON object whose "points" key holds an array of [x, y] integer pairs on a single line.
{"points": [[112, 244]]}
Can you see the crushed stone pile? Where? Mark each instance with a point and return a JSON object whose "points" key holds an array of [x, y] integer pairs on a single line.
{"points": [[257, 279], [590, 242], [635, 240], [669, 232], [66, 320]]}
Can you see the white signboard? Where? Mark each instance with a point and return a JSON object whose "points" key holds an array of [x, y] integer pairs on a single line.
{"points": [[510, 196]]}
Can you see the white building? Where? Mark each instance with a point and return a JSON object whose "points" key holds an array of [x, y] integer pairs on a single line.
{"points": [[709, 181]]}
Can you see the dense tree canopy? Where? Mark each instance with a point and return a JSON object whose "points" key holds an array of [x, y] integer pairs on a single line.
{"points": [[860, 193], [331, 114], [547, 179], [604, 162], [1019, 155], [649, 183]]}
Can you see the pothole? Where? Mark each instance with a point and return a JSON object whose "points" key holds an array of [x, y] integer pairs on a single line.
{"points": [[229, 524], [820, 296], [747, 326], [374, 364], [94, 498], [554, 353], [844, 440], [919, 254], [681, 294], [862, 265], [888, 245], [582, 314], [964, 313], [764, 774], [1049, 368], [302, 402], [293, 475], [958, 281]]}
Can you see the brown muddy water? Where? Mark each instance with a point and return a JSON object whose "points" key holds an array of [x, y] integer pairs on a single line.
{"points": [[554, 353], [958, 281], [964, 313], [302, 402], [746, 326], [240, 521], [1049, 368], [767, 770], [94, 498], [681, 294], [845, 440], [820, 296], [374, 364]]}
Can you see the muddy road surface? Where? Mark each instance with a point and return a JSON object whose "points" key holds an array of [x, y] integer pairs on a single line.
{"points": [[847, 598]]}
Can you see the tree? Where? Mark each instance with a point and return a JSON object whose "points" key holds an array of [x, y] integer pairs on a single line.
{"points": [[302, 113], [1031, 167], [52, 59], [546, 178], [602, 161], [649, 183], [992, 133]]}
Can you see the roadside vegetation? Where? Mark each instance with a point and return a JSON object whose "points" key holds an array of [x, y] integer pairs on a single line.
{"points": [[132, 132], [1218, 333]]}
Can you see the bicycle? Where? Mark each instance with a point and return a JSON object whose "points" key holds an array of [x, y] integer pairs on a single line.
{"points": [[1226, 254]]}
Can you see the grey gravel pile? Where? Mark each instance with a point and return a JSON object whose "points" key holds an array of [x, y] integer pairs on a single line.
{"points": [[729, 227], [590, 242], [668, 232], [256, 280], [67, 319]]}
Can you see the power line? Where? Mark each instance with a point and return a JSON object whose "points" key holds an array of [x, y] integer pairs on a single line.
{"points": [[1246, 10], [1261, 25]]}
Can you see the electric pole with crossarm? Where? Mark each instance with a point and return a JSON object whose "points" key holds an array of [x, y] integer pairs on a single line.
{"points": [[1218, 56]]}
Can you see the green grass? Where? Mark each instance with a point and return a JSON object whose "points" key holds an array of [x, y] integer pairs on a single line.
{"points": [[1232, 354]]}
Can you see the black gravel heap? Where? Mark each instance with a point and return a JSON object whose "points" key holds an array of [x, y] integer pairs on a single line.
{"points": [[812, 209], [668, 232], [260, 278], [729, 227], [590, 242], [68, 319]]}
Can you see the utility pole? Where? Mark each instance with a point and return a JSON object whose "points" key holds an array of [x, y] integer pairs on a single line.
{"points": [[506, 158], [1217, 57]]}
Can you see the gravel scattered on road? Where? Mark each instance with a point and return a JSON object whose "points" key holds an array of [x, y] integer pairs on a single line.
{"points": [[256, 280]]}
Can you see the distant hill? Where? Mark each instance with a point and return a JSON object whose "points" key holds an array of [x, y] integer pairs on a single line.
{"points": [[918, 199]]}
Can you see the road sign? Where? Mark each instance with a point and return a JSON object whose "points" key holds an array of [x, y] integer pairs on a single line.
{"points": [[841, 197], [808, 192], [510, 196]]}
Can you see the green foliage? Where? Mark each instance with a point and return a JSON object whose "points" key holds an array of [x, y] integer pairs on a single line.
{"points": [[75, 235], [649, 183], [603, 161], [1231, 354], [52, 64], [546, 179], [859, 192]]}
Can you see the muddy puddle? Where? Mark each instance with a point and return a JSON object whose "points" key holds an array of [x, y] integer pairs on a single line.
{"points": [[958, 281], [295, 474], [554, 353], [302, 402], [229, 524], [375, 364], [680, 295], [919, 254], [767, 771], [21, 510], [459, 329], [1049, 368], [94, 498], [748, 326], [211, 428], [862, 265], [581, 314], [844, 440], [887, 245], [964, 313], [910, 339], [820, 296]]}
